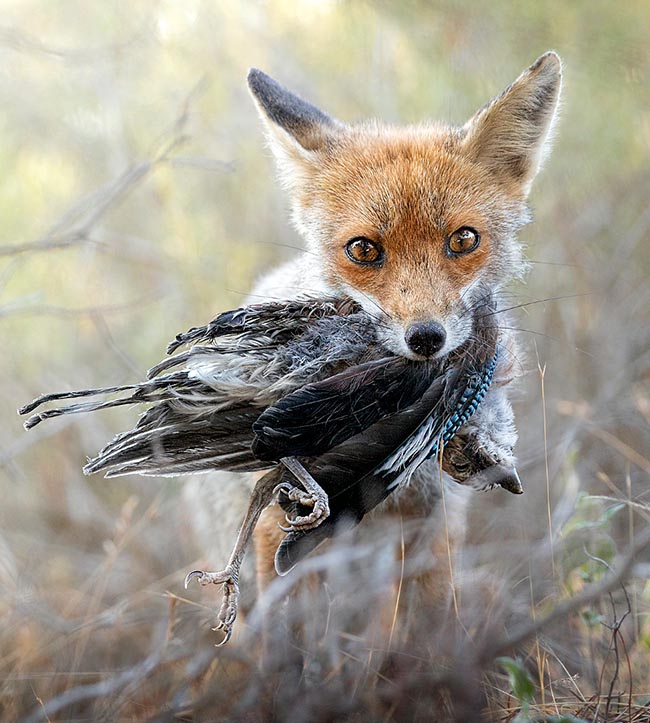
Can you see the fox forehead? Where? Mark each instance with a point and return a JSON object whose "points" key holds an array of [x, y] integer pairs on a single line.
{"points": [[404, 184], [408, 188]]}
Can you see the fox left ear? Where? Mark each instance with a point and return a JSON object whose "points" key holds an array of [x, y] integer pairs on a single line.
{"points": [[296, 129], [510, 134]]}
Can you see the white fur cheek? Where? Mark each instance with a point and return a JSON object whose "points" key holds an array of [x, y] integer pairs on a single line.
{"points": [[294, 279], [393, 339], [312, 223], [391, 333], [459, 329]]}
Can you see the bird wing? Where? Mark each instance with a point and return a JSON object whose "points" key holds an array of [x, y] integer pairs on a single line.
{"points": [[322, 415], [278, 321], [207, 398]]}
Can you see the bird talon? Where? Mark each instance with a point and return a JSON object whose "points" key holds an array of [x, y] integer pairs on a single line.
{"points": [[195, 574], [228, 610], [319, 507], [319, 513], [227, 636], [283, 487]]}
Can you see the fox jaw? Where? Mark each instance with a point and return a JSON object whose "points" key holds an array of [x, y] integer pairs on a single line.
{"points": [[416, 223]]}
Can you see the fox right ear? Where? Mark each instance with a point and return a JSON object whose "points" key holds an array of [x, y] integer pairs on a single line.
{"points": [[510, 135], [295, 127]]}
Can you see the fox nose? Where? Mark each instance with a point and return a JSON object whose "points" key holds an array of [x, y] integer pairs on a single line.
{"points": [[425, 337]]}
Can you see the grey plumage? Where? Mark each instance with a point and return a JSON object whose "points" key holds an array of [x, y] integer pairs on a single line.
{"points": [[240, 369]]}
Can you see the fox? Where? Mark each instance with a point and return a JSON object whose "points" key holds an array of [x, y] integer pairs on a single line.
{"points": [[418, 224]]}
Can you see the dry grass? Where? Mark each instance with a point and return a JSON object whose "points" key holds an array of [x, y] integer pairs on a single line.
{"points": [[137, 200]]}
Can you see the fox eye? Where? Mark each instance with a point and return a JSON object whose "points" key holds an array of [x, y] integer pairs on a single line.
{"points": [[463, 241], [362, 250]]}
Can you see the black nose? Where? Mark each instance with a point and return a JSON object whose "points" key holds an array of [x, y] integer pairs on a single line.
{"points": [[425, 337]]}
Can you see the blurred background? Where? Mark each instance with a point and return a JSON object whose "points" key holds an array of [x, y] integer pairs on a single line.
{"points": [[137, 199]]}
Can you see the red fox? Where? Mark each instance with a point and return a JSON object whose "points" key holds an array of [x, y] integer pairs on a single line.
{"points": [[417, 224]]}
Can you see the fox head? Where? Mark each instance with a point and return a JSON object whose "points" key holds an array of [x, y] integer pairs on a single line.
{"points": [[417, 222]]}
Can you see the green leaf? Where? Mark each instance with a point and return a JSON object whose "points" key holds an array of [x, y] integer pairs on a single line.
{"points": [[520, 683], [592, 618]]}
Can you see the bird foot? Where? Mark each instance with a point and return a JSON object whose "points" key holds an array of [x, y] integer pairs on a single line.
{"points": [[318, 501], [228, 611]]}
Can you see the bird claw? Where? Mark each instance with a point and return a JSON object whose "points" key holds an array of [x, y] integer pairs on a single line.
{"points": [[228, 611], [318, 502]]}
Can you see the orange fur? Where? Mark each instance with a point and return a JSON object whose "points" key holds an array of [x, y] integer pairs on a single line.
{"points": [[266, 538]]}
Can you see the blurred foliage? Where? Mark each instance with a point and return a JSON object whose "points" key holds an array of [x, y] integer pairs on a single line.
{"points": [[521, 685], [137, 198]]}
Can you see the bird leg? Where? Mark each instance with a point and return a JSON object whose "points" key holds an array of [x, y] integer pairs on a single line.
{"points": [[310, 495], [262, 496]]}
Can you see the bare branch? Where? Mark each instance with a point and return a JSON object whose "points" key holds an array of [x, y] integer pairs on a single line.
{"points": [[76, 225], [84, 214], [103, 688], [20, 41]]}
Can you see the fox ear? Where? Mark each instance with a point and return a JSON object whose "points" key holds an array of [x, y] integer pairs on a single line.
{"points": [[295, 127], [510, 134]]}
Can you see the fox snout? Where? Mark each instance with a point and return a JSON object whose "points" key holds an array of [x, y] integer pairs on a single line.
{"points": [[425, 338]]}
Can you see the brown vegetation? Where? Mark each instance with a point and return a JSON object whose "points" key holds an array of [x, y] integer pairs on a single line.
{"points": [[137, 200]]}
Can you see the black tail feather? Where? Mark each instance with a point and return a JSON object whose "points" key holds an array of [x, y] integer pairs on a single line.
{"points": [[91, 407], [46, 398]]}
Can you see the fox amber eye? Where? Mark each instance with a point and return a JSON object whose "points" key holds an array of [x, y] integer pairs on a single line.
{"points": [[364, 251], [463, 241]]}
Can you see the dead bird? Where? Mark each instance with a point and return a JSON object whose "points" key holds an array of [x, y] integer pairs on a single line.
{"points": [[215, 411], [275, 382], [359, 464]]}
